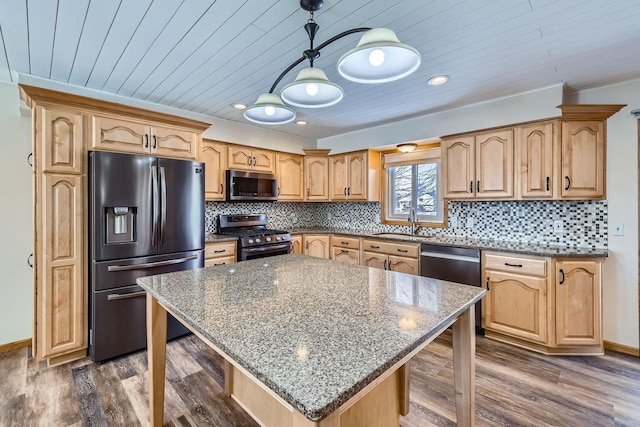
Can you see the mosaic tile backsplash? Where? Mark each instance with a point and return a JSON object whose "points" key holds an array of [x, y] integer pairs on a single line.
{"points": [[584, 222]]}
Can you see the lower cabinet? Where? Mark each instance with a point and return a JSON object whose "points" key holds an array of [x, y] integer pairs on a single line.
{"points": [[220, 253], [296, 244], [317, 245], [345, 249], [400, 257], [552, 305]]}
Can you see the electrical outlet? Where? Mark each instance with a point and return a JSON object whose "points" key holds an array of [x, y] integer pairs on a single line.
{"points": [[294, 218], [558, 226], [617, 228], [470, 222], [453, 221]]}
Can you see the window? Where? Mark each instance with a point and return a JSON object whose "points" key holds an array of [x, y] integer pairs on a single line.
{"points": [[413, 181]]}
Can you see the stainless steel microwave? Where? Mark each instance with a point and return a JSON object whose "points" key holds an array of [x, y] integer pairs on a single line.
{"points": [[250, 186]]}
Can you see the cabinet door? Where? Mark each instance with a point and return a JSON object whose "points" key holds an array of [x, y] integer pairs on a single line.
{"points": [[240, 157], [404, 264], [60, 140], [516, 305], [214, 156], [578, 303], [458, 168], [375, 260], [289, 170], [120, 135], [350, 256], [173, 142], [263, 161], [583, 160], [535, 161], [316, 245], [494, 164], [316, 171], [296, 245], [60, 285], [338, 177], [357, 176]]}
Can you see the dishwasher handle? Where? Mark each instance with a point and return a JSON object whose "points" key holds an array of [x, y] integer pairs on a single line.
{"points": [[450, 256]]}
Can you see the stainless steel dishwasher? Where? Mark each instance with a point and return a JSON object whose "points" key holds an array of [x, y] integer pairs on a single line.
{"points": [[460, 265]]}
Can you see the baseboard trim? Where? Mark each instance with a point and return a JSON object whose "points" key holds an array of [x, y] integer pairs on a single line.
{"points": [[625, 349], [15, 345]]}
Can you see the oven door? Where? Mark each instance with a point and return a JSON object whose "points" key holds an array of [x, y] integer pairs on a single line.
{"points": [[265, 251]]}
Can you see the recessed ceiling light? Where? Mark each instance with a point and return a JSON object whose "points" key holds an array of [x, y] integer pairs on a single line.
{"points": [[301, 122], [239, 106], [438, 80]]}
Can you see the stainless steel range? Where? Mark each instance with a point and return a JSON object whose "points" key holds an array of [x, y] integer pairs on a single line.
{"points": [[255, 240]]}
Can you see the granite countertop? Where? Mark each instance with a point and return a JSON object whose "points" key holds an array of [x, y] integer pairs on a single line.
{"points": [[217, 238], [524, 248], [314, 331]]}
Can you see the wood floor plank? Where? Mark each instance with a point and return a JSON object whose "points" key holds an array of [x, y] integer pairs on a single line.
{"points": [[115, 402], [89, 401]]}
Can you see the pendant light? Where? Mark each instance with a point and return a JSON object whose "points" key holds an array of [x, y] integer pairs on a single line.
{"points": [[312, 89], [269, 110], [379, 57]]}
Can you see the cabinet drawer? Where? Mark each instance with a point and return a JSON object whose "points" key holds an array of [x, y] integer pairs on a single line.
{"points": [[213, 250], [384, 247], [504, 262], [345, 242], [219, 261]]}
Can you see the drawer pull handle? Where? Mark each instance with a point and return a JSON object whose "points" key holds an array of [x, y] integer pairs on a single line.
{"points": [[222, 263], [375, 247], [115, 297], [345, 243], [513, 265], [562, 275], [404, 251], [219, 251], [344, 251]]}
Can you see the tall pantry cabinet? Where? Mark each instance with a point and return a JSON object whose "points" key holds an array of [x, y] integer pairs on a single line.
{"points": [[65, 128]]}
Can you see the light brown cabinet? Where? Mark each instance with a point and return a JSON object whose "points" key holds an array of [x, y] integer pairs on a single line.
{"points": [[60, 140], [578, 303], [582, 164], [345, 249], [290, 175], [535, 147], [401, 257], [478, 166], [354, 176], [316, 177], [140, 137], [296, 244], [548, 305], [317, 245], [220, 253], [249, 158], [214, 156]]}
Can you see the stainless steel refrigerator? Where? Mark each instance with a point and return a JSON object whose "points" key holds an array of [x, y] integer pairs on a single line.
{"points": [[146, 217]]}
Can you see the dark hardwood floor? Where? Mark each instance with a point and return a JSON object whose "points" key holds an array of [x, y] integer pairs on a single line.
{"points": [[513, 387]]}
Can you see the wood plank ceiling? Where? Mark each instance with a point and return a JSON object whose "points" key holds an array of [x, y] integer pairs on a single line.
{"points": [[205, 55]]}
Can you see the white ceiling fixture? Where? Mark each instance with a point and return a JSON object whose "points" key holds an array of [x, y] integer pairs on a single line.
{"points": [[379, 57], [438, 80]]}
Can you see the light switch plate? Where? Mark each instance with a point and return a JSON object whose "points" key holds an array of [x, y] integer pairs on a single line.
{"points": [[617, 228]]}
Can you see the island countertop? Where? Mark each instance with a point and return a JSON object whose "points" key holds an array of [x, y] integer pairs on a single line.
{"points": [[314, 331]]}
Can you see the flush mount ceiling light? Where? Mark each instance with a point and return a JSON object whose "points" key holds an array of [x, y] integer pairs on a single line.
{"points": [[239, 106], [379, 57], [406, 147], [438, 80]]}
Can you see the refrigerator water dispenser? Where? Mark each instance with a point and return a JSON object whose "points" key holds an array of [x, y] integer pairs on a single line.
{"points": [[120, 224]]}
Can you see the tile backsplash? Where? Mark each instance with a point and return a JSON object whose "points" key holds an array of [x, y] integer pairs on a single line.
{"points": [[584, 222]]}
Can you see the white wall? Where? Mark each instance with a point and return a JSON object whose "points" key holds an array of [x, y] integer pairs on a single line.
{"points": [[620, 290], [533, 105], [16, 225]]}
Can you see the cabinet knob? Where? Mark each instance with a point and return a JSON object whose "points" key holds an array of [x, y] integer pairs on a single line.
{"points": [[221, 188], [488, 284], [385, 264], [155, 142], [547, 183], [562, 276], [471, 187], [478, 187], [146, 140], [568, 181]]}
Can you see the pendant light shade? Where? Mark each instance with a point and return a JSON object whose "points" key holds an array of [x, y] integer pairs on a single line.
{"points": [[269, 110], [379, 57], [312, 89]]}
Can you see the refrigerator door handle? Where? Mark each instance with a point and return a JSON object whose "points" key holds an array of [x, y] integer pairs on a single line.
{"points": [[151, 264], [154, 210], [163, 211], [115, 297]]}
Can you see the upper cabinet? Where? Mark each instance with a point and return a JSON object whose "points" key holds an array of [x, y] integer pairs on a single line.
{"points": [[214, 156], [141, 137], [250, 158], [478, 166], [355, 176], [582, 162], [290, 173], [60, 140], [534, 160], [316, 176]]}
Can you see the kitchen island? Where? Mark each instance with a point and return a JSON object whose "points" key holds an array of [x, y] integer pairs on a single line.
{"points": [[312, 342]]}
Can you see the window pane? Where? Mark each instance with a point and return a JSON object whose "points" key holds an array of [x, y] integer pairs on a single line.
{"points": [[401, 190], [427, 191]]}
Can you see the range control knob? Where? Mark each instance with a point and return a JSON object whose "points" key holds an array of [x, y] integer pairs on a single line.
{"points": [[257, 240], [250, 241], [278, 237], [268, 239]]}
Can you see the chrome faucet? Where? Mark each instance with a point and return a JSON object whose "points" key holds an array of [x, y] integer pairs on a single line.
{"points": [[413, 219]]}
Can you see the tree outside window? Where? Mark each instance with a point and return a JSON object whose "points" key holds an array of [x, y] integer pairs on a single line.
{"points": [[416, 186]]}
